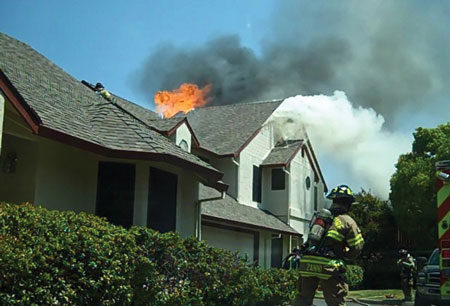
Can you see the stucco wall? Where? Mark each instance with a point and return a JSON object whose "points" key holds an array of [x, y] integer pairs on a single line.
{"points": [[301, 204], [230, 171], [66, 177], [253, 154], [188, 193], [229, 240], [18, 186], [276, 201], [62, 177]]}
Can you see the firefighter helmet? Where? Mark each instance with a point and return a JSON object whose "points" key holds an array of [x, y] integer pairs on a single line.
{"points": [[341, 192], [402, 252]]}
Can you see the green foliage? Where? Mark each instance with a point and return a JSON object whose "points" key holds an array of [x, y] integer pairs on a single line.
{"points": [[52, 257], [376, 221], [190, 272], [413, 191], [354, 275]]}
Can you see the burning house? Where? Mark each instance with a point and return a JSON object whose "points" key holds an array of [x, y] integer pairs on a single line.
{"points": [[218, 172], [66, 146]]}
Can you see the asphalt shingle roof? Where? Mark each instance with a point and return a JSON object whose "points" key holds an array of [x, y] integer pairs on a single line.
{"points": [[225, 129], [63, 104], [229, 209], [282, 154]]}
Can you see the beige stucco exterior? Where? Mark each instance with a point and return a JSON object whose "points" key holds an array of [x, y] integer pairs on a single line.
{"points": [[63, 177]]}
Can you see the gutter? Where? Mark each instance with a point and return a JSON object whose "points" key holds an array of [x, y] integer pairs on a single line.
{"points": [[198, 209]]}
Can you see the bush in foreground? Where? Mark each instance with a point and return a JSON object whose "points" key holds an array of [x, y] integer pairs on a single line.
{"points": [[52, 257], [49, 257]]}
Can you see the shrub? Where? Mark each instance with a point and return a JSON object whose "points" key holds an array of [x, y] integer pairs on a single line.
{"points": [[354, 275], [191, 272], [50, 257]]}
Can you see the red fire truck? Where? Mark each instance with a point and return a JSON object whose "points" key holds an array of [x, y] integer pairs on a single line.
{"points": [[443, 203], [433, 281]]}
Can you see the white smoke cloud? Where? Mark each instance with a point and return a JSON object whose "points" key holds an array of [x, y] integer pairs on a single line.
{"points": [[352, 138]]}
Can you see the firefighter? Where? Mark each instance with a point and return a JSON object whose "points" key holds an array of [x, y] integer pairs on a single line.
{"points": [[325, 265], [407, 268], [100, 89]]}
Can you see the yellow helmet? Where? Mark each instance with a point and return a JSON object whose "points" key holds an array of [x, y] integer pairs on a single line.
{"points": [[341, 191]]}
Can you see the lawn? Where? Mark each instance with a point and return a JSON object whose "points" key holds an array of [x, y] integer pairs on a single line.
{"points": [[381, 294]]}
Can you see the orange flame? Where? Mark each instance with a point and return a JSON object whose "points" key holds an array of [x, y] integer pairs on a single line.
{"points": [[183, 99]]}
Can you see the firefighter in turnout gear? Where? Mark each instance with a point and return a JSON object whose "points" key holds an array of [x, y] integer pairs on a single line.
{"points": [[324, 263], [407, 267]]}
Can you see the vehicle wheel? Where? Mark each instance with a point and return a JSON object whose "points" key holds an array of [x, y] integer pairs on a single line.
{"points": [[419, 301]]}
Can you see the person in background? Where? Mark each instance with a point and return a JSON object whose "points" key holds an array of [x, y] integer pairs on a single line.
{"points": [[407, 267]]}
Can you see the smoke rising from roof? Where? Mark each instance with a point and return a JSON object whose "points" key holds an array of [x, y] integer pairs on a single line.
{"points": [[392, 56], [351, 136]]}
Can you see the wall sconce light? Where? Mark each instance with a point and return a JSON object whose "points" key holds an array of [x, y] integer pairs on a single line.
{"points": [[9, 164]]}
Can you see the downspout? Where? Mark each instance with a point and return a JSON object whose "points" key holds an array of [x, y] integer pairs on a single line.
{"points": [[234, 161], [198, 223], [289, 206], [2, 114]]}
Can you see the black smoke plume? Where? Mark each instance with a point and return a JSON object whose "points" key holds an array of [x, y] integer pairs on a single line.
{"points": [[393, 56]]}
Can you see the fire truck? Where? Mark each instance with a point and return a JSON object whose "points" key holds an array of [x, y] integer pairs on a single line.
{"points": [[433, 282]]}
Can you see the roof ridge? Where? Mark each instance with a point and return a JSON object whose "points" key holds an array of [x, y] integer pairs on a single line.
{"points": [[243, 103]]}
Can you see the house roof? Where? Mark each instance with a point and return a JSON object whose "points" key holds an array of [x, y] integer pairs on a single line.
{"points": [[148, 116], [57, 106], [282, 154], [225, 130], [228, 210]]}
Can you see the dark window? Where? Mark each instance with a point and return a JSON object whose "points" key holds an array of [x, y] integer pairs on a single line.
{"points": [[257, 184], [115, 192], [308, 183], [315, 198], [277, 251], [278, 178], [162, 200]]}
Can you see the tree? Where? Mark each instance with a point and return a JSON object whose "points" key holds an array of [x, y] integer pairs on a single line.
{"points": [[413, 189], [376, 221]]}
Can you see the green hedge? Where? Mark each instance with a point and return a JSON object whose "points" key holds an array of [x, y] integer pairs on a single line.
{"points": [[52, 257], [188, 271]]}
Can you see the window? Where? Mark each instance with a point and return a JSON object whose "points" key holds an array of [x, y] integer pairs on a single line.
{"points": [[308, 182], [315, 198], [278, 179], [162, 200], [184, 145], [257, 184], [115, 192]]}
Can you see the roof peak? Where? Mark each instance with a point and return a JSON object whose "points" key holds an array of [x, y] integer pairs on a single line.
{"points": [[238, 104]]}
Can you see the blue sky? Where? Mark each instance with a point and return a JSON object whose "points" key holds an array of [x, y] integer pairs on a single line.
{"points": [[108, 41]]}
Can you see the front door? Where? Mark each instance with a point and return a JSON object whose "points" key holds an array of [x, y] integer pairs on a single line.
{"points": [[277, 251], [115, 192], [162, 200]]}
